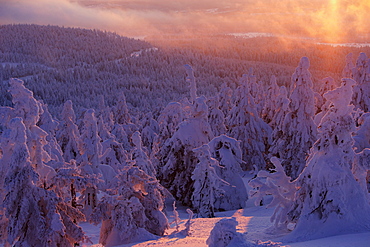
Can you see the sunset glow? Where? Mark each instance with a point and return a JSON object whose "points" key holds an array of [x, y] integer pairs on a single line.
{"points": [[329, 21]]}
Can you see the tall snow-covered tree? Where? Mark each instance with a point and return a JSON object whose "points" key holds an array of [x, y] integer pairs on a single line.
{"points": [[329, 200], [68, 135], [35, 216], [140, 157], [206, 183], [177, 159], [299, 130], [270, 106], [361, 91], [216, 117], [132, 211], [191, 79], [227, 152], [244, 124]]}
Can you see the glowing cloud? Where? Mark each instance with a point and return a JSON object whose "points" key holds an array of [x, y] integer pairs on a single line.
{"points": [[330, 20]]}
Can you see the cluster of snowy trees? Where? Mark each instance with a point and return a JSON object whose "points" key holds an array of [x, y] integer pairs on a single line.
{"points": [[307, 145]]}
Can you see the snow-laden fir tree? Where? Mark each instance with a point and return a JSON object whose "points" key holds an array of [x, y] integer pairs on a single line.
{"points": [[149, 131], [277, 184], [361, 74], [132, 211], [169, 119], [224, 234], [227, 152], [216, 117], [299, 129], [68, 135], [29, 109], [271, 98], [329, 201], [225, 99], [177, 159], [207, 184], [348, 68], [277, 122], [114, 155], [244, 124], [35, 216], [191, 79], [48, 124], [321, 104], [140, 157]]}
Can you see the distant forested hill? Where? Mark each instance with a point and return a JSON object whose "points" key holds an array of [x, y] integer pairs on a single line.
{"points": [[59, 64]]}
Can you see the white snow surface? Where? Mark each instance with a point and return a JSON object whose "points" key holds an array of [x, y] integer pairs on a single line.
{"points": [[253, 224]]}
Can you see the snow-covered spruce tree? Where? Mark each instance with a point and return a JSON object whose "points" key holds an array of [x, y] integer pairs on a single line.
{"points": [[206, 183], [326, 84], [361, 168], [35, 218], [29, 109], [149, 131], [225, 99], [177, 159], [140, 157], [277, 184], [168, 121], [224, 234], [133, 210], [361, 91], [245, 125], [270, 106], [277, 123], [227, 152], [123, 120], [299, 130], [114, 154], [67, 133], [48, 124], [191, 79], [362, 134], [216, 117], [329, 201], [348, 68]]}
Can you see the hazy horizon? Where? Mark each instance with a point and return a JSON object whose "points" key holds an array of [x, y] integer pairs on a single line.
{"points": [[326, 20]]}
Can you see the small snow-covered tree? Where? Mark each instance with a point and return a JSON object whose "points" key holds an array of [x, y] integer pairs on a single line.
{"points": [[348, 68], [191, 79], [225, 95], [277, 122], [245, 125], [227, 152], [206, 183], [277, 184], [299, 129], [132, 211], [224, 234], [216, 117], [67, 134], [329, 200], [140, 157], [270, 106]]}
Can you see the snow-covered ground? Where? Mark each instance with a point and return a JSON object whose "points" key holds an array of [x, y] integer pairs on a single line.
{"points": [[253, 222]]}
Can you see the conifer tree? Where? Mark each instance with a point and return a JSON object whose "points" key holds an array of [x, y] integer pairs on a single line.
{"points": [[299, 130], [329, 200]]}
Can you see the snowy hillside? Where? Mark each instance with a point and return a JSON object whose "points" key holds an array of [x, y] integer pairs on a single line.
{"points": [[134, 145]]}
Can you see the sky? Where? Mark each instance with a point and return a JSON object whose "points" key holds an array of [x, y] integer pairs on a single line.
{"points": [[329, 20]]}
